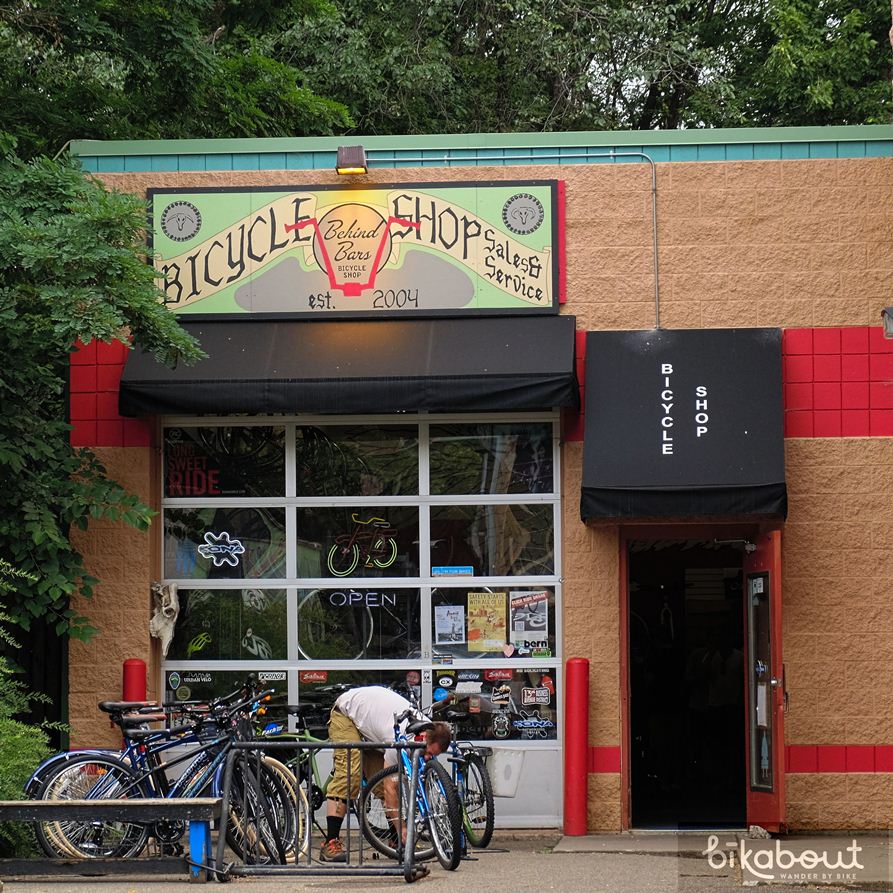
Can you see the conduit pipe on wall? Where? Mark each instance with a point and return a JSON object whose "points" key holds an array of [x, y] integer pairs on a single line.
{"points": [[559, 157]]}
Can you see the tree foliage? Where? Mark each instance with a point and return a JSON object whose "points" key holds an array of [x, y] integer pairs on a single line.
{"points": [[144, 69], [70, 269], [522, 65]]}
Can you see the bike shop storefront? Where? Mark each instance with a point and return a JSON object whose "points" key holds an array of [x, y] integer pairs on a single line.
{"points": [[684, 451], [372, 502]]}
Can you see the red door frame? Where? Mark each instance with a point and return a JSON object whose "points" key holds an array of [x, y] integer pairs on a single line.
{"points": [[658, 532]]}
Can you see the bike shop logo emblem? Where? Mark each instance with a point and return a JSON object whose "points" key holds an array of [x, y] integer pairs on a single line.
{"points": [[523, 213], [173, 681], [308, 677], [532, 724], [272, 676], [180, 221], [221, 549], [535, 696], [501, 725]]}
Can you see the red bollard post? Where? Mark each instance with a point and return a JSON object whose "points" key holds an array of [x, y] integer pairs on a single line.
{"points": [[133, 686], [576, 746]]}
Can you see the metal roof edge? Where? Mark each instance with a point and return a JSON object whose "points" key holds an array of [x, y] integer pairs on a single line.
{"points": [[435, 142]]}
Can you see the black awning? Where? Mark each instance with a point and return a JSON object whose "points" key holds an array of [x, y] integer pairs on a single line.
{"points": [[480, 364], [683, 424]]}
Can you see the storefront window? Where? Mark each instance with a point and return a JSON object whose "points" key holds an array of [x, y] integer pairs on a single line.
{"points": [[224, 543], [499, 703], [357, 461], [479, 622], [493, 540], [224, 461], [362, 541], [487, 458], [416, 552], [359, 623], [231, 624]]}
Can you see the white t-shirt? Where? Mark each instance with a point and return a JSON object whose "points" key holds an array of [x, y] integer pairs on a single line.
{"points": [[371, 709]]}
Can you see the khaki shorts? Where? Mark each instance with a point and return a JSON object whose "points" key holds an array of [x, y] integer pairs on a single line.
{"points": [[342, 730]]}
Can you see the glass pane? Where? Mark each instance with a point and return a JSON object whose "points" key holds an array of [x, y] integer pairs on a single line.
{"points": [[224, 543], [321, 687], [491, 458], [357, 461], [483, 622], [492, 540], [371, 541], [230, 624], [349, 623], [500, 704], [761, 692], [224, 461], [200, 685]]}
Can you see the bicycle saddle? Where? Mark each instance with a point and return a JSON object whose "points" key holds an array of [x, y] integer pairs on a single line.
{"points": [[456, 714], [419, 726], [133, 722], [122, 706], [142, 734]]}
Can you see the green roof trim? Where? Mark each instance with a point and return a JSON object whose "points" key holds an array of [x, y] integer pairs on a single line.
{"points": [[631, 139]]}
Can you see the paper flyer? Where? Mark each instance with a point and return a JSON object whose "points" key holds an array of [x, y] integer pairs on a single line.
{"points": [[486, 621], [449, 624], [529, 620]]}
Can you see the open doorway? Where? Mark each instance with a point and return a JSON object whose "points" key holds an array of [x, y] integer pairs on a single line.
{"points": [[687, 684]]}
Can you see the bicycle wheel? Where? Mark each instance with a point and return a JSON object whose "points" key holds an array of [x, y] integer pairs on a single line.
{"points": [[91, 777], [388, 549], [297, 838], [476, 794], [262, 820], [444, 816], [342, 562], [377, 826]]}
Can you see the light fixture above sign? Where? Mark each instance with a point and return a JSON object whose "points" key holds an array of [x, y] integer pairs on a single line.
{"points": [[887, 317], [351, 160]]}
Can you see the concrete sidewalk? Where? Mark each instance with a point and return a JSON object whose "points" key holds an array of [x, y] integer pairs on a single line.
{"points": [[536, 862]]}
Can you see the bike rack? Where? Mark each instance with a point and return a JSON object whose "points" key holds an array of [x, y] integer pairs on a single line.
{"points": [[296, 858]]}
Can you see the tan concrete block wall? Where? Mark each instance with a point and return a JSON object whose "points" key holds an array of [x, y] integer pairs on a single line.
{"points": [[838, 801], [122, 558]]}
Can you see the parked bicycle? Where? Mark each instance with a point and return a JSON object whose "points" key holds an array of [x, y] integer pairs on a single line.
{"points": [[371, 539], [437, 827]]}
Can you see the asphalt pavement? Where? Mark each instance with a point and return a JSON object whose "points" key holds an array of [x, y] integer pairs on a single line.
{"points": [[535, 862]]}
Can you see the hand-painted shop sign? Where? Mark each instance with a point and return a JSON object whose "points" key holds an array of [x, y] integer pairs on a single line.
{"points": [[431, 248]]}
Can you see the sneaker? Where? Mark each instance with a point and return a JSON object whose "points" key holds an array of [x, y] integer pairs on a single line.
{"points": [[332, 851]]}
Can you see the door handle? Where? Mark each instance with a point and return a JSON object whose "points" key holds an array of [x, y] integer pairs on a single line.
{"points": [[774, 682]]}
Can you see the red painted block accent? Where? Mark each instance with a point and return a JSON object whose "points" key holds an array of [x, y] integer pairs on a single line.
{"points": [[826, 394], [111, 353], [877, 343], [798, 368], [883, 758], [110, 433], [860, 758], [832, 758], [826, 367], [855, 423], [796, 341], [881, 395], [798, 424], [84, 354], [108, 378], [826, 423], [83, 434], [572, 426], [854, 367], [880, 367], [604, 759], [83, 407], [880, 423], [137, 433], [802, 758], [82, 379], [854, 340], [107, 405], [826, 341], [798, 396], [854, 395]]}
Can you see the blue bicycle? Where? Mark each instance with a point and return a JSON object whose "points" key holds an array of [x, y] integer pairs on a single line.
{"points": [[436, 829]]}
